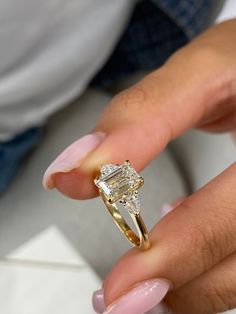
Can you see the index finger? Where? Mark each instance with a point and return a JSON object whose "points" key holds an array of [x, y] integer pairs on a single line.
{"points": [[143, 119]]}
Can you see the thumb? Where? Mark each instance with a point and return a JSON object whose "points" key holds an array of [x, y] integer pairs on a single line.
{"points": [[137, 124]]}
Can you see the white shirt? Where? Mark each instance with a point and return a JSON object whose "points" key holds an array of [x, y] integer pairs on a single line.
{"points": [[49, 50]]}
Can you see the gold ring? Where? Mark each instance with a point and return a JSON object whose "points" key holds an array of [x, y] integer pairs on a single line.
{"points": [[119, 184]]}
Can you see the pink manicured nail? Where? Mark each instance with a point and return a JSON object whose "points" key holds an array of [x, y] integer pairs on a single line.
{"points": [[72, 156], [98, 301], [142, 298], [165, 209], [160, 309]]}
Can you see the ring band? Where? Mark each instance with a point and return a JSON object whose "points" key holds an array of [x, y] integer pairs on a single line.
{"points": [[120, 184]]}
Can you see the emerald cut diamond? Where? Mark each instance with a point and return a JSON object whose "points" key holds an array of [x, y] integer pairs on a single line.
{"points": [[117, 183]]}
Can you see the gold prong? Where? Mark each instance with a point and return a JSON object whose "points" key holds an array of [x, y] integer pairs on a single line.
{"points": [[109, 200], [141, 181], [121, 187], [123, 201]]}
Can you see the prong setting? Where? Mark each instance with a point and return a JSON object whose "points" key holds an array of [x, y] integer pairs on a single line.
{"points": [[120, 183]]}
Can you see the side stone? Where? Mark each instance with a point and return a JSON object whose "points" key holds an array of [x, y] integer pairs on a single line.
{"points": [[132, 203]]}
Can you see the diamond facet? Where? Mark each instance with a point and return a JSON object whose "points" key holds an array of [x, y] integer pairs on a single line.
{"points": [[116, 181], [107, 169], [131, 203]]}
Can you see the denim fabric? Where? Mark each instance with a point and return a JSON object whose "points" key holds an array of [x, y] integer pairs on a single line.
{"points": [[192, 16], [156, 29], [13, 152], [150, 38]]}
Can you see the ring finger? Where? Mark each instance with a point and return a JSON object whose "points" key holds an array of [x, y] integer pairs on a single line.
{"points": [[212, 292]]}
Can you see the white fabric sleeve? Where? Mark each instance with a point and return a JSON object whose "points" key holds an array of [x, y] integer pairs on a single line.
{"points": [[49, 50], [228, 11]]}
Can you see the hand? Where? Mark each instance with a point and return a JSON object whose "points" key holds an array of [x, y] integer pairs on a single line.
{"points": [[193, 247]]}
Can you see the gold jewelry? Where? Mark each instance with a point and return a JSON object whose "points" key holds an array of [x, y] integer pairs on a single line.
{"points": [[120, 183]]}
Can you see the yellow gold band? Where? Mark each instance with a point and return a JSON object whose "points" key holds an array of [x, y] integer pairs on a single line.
{"points": [[142, 241]]}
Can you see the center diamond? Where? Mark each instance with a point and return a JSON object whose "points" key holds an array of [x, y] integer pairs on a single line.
{"points": [[117, 181]]}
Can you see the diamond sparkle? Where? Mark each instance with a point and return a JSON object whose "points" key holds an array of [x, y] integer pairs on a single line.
{"points": [[131, 203], [120, 183]]}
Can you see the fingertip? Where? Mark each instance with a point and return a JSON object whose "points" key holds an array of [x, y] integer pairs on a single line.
{"points": [[47, 181], [124, 274], [71, 158], [75, 185], [98, 301]]}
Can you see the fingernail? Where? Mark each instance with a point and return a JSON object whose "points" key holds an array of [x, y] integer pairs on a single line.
{"points": [[165, 209], [98, 301], [160, 309], [142, 298], [72, 156]]}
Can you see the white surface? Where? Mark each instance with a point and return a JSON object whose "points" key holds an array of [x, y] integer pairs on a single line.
{"points": [[55, 280], [50, 246], [228, 12]]}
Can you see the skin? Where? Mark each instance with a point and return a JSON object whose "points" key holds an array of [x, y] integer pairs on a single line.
{"points": [[195, 88]]}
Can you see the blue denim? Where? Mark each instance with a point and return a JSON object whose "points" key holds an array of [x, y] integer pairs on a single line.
{"points": [[156, 29], [13, 152]]}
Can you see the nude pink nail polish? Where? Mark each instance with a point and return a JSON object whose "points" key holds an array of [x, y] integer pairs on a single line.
{"points": [[98, 301], [72, 156], [161, 308], [142, 298], [165, 209]]}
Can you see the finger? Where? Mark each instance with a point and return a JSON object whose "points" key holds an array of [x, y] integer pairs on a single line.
{"points": [[98, 295], [225, 123], [212, 292], [134, 124], [140, 121], [187, 242]]}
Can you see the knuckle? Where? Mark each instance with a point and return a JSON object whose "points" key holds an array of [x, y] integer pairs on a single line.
{"points": [[207, 300], [127, 106], [130, 98], [219, 300], [205, 243], [213, 239]]}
